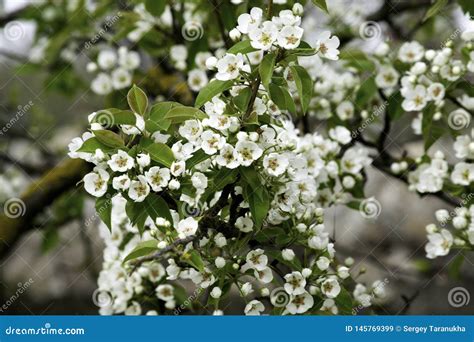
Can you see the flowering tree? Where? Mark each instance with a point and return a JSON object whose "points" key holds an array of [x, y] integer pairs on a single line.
{"points": [[209, 169]]}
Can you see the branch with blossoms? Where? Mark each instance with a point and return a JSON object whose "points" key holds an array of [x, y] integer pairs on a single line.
{"points": [[236, 174], [232, 191]]}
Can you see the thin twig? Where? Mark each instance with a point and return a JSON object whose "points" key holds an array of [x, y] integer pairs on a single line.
{"points": [[161, 253]]}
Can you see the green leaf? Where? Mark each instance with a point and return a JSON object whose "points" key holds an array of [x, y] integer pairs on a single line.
{"points": [[344, 302], [304, 85], [282, 98], [109, 138], [250, 176], [92, 144], [194, 259], [212, 89], [156, 207], [435, 8], [366, 92], [197, 158], [242, 47], [137, 100], [159, 111], [114, 116], [160, 153], [467, 6], [137, 214], [322, 5], [259, 203], [181, 113], [266, 68], [156, 8], [142, 249], [152, 127], [394, 107], [242, 100], [357, 59], [303, 52], [103, 207]]}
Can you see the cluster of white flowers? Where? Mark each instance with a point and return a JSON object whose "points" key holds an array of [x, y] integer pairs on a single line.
{"points": [[297, 175], [146, 21], [282, 31], [119, 291], [115, 70], [431, 176], [334, 91], [298, 164], [440, 239], [429, 73]]}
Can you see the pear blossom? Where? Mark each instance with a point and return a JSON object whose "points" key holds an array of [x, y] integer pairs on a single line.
{"points": [[327, 45], [416, 99], [121, 161], [275, 164], [248, 21], [187, 227], [121, 182], [95, 183], [254, 308], [228, 157], [228, 67], [300, 303], [295, 283], [158, 178], [247, 152], [411, 52], [439, 244], [139, 189], [331, 288], [263, 37], [165, 292]]}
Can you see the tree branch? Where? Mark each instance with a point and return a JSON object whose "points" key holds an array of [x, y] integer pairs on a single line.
{"points": [[161, 253], [224, 36], [38, 196]]}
